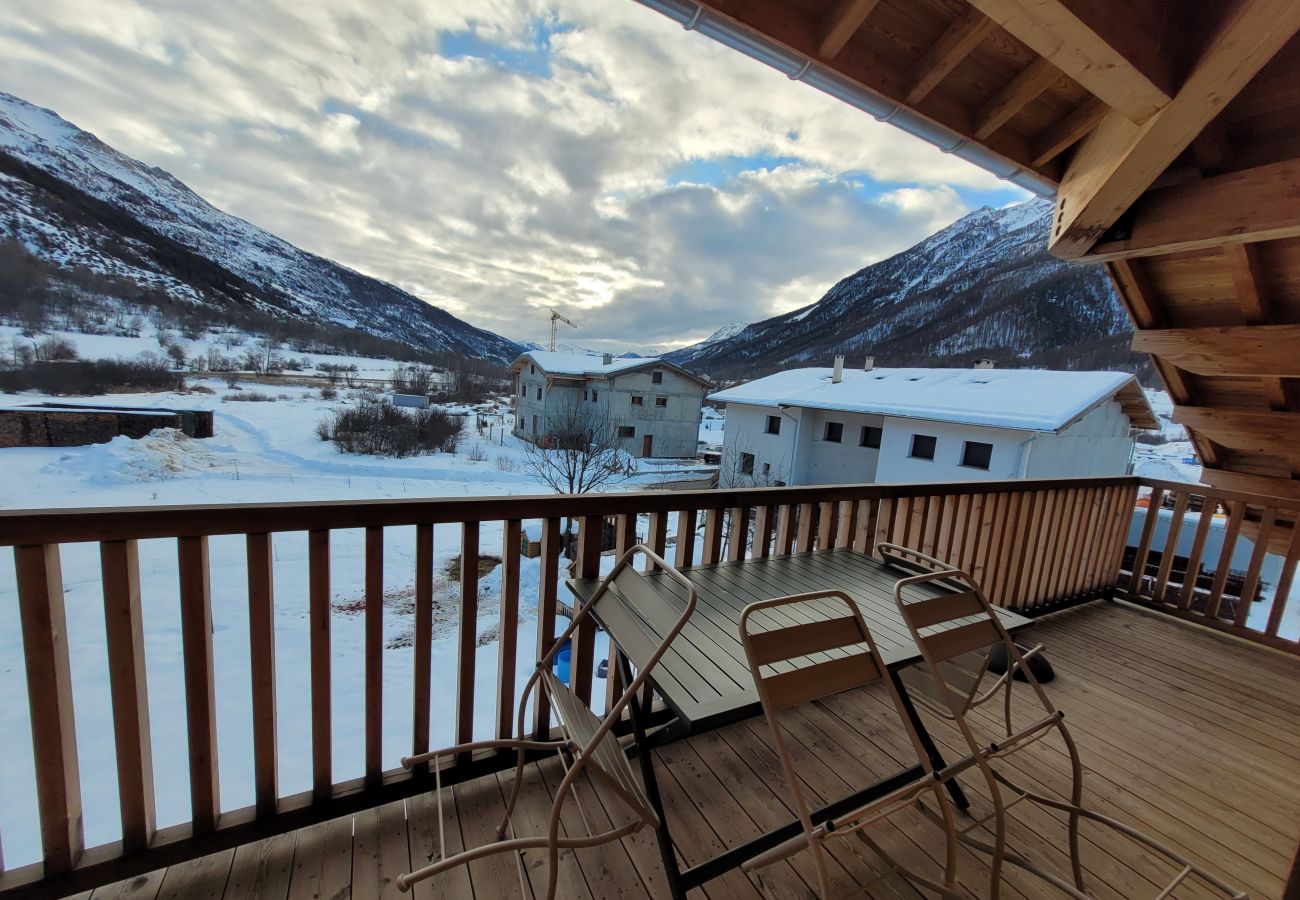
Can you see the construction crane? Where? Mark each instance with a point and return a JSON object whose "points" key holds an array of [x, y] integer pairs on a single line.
{"points": [[556, 317]]}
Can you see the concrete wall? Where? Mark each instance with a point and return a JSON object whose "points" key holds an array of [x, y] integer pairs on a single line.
{"points": [[673, 428], [773, 453], [898, 467], [1097, 444]]}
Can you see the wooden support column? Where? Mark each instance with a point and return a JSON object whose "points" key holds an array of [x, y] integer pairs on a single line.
{"points": [[467, 633], [200, 682], [422, 643], [508, 629], [261, 656]]}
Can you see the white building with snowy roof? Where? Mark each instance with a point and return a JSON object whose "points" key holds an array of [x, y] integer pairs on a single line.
{"points": [[830, 426], [652, 406]]}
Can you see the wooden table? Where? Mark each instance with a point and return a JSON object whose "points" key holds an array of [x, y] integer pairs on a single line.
{"points": [[705, 680]]}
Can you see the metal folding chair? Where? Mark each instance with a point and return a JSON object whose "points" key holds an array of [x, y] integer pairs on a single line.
{"points": [[956, 633], [794, 662], [587, 743]]}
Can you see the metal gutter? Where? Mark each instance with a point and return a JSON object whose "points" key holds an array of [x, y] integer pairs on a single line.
{"points": [[694, 17]]}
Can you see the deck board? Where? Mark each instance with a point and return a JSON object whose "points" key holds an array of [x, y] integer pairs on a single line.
{"points": [[1185, 733]]}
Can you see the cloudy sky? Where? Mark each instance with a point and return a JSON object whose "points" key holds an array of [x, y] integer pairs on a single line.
{"points": [[498, 157]]}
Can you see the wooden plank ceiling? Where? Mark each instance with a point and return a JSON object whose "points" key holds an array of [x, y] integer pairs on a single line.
{"points": [[1172, 131]]}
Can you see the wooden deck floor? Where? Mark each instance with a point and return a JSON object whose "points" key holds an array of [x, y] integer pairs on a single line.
{"points": [[1188, 735]]}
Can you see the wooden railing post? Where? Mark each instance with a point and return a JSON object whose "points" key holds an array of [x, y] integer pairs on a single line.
{"points": [[374, 652], [467, 633], [591, 534], [49, 697], [200, 682], [547, 591], [508, 629], [318, 618], [124, 631], [261, 655], [422, 642]]}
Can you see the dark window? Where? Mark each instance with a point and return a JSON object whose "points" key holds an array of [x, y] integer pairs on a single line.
{"points": [[977, 454], [773, 425], [535, 429], [746, 464], [870, 437], [923, 446], [656, 377], [532, 370], [767, 468], [585, 395], [593, 396], [539, 393], [661, 402], [523, 390], [626, 431], [834, 432], [638, 401]]}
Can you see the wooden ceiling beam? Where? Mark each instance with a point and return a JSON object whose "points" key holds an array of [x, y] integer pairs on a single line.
{"points": [[1260, 204], [1244, 350], [1068, 132], [1287, 488], [1120, 159], [1032, 80], [954, 45], [842, 23], [1105, 47], [1270, 432]]}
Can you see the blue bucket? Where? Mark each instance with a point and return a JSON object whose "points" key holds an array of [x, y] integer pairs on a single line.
{"points": [[560, 663]]}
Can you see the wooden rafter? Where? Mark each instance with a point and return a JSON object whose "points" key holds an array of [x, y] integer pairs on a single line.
{"points": [[1252, 205], [1243, 263], [1120, 159], [1288, 488], [954, 45], [1032, 80], [1246, 350], [1104, 47], [844, 20], [1069, 131], [1270, 432]]}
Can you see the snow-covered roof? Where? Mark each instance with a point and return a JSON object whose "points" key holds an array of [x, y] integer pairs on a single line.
{"points": [[1027, 399], [554, 362]]}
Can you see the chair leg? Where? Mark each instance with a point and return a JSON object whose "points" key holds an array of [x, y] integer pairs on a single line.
{"points": [[1076, 801], [514, 796]]}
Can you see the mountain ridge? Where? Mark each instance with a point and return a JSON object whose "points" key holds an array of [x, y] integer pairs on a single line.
{"points": [[982, 287], [67, 196]]}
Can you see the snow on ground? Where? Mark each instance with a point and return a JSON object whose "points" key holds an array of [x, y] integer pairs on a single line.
{"points": [[262, 452]]}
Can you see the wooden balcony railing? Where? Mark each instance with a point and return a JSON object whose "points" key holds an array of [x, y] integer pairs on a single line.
{"points": [[1219, 558], [1035, 545]]}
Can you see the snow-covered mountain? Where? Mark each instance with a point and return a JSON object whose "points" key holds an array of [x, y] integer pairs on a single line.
{"points": [[74, 201], [983, 286]]}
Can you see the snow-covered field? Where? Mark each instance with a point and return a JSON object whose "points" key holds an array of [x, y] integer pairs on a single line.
{"points": [[262, 452]]}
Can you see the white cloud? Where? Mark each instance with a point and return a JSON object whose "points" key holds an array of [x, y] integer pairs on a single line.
{"points": [[481, 184]]}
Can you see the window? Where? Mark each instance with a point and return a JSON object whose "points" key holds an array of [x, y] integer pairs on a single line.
{"points": [[923, 446], [532, 370], [638, 401], [626, 431], [539, 393], [535, 428], [746, 464], [661, 402], [870, 437], [834, 432], [593, 396], [586, 395], [523, 390], [773, 425], [656, 377], [976, 454], [767, 468]]}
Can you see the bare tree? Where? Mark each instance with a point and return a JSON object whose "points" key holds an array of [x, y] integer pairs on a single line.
{"points": [[580, 451]]}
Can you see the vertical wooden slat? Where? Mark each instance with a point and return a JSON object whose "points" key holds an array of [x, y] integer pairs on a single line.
{"points": [[762, 545], [1144, 545], [508, 629], [1282, 591], [992, 513], [1128, 507], [846, 521], [712, 550], [374, 650], [1193, 573], [124, 630], [49, 697], [657, 536], [935, 508], [200, 681], [1089, 556], [261, 655], [785, 530], [422, 643], [1171, 547], [547, 591], [825, 525], [737, 530], [982, 516], [1067, 533], [467, 632], [591, 533], [685, 538], [864, 538], [1251, 582], [624, 540], [1230, 533], [1033, 535], [1006, 555], [318, 556], [804, 539]]}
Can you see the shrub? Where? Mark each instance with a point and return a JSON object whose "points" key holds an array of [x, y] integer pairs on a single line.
{"points": [[476, 452], [378, 429], [250, 397], [506, 463], [55, 348], [100, 377], [232, 380], [329, 393]]}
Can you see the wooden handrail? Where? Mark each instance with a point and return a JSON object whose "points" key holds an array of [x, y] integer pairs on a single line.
{"points": [[1034, 546]]}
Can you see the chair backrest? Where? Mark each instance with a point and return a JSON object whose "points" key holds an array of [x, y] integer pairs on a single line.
{"points": [[644, 621]]}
